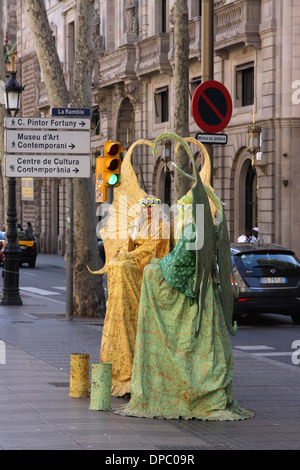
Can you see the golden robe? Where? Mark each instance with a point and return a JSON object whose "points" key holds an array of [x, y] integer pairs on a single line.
{"points": [[124, 282]]}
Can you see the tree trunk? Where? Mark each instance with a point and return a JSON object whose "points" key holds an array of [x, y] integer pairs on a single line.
{"points": [[47, 55], [181, 121], [88, 294], [85, 240]]}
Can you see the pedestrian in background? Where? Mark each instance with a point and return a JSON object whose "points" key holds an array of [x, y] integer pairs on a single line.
{"points": [[255, 237], [29, 230], [245, 238]]}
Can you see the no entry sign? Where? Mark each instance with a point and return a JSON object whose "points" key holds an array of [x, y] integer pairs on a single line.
{"points": [[211, 106]]}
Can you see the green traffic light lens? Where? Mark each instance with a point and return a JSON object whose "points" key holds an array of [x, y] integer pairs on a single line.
{"points": [[113, 180]]}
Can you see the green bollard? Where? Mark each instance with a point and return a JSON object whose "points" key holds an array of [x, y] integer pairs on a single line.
{"points": [[100, 386]]}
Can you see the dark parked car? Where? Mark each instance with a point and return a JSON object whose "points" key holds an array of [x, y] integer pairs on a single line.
{"points": [[2, 239], [27, 245], [267, 277]]}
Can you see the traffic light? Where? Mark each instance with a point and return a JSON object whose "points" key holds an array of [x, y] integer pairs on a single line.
{"points": [[112, 163], [108, 169]]}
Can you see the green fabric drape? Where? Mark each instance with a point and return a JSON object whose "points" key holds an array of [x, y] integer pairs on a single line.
{"points": [[183, 364]]}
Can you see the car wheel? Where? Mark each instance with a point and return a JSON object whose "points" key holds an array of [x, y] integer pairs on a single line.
{"points": [[296, 318], [32, 264]]}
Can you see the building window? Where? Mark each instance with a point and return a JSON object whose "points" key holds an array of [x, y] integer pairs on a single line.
{"points": [[167, 189], [195, 8], [244, 85], [251, 199], [163, 16], [194, 83], [161, 104], [200, 7], [71, 47], [95, 121], [54, 32]]}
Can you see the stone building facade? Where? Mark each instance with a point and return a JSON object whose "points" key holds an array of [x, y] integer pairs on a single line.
{"points": [[256, 56]]}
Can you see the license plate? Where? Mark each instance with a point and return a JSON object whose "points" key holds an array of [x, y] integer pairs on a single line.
{"points": [[23, 247], [273, 280]]}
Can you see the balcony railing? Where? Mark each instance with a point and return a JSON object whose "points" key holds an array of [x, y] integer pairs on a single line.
{"points": [[152, 55], [195, 25], [237, 23], [117, 65]]}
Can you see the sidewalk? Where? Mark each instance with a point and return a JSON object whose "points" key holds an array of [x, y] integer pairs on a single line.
{"points": [[37, 413]]}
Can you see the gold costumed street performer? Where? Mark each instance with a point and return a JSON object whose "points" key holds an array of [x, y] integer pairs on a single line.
{"points": [[135, 213]]}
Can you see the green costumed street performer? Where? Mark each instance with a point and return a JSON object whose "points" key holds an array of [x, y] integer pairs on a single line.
{"points": [[183, 363]]}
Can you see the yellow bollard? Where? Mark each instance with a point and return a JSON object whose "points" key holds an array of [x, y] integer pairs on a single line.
{"points": [[79, 375], [101, 386]]}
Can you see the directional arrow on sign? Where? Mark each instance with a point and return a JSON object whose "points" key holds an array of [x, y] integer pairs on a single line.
{"points": [[41, 142], [47, 123], [45, 166]]}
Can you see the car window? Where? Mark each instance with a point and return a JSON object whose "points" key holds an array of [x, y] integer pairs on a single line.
{"points": [[2, 235], [24, 237], [259, 264]]}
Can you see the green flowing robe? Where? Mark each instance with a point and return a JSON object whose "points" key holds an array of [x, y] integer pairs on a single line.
{"points": [[177, 374]]}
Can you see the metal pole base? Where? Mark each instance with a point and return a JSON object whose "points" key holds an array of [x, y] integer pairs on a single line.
{"points": [[11, 298], [10, 289]]}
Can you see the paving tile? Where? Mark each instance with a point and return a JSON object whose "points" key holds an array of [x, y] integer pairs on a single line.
{"points": [[37, 413]]}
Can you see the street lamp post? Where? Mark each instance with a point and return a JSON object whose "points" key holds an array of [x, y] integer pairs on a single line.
{"points": [[11, 251], [254, 132]]}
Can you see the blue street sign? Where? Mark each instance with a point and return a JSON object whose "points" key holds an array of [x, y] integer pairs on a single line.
{"points": [[70, 112]]}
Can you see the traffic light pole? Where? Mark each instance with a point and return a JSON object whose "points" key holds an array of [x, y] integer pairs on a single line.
{"points": [[110, 195]]}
